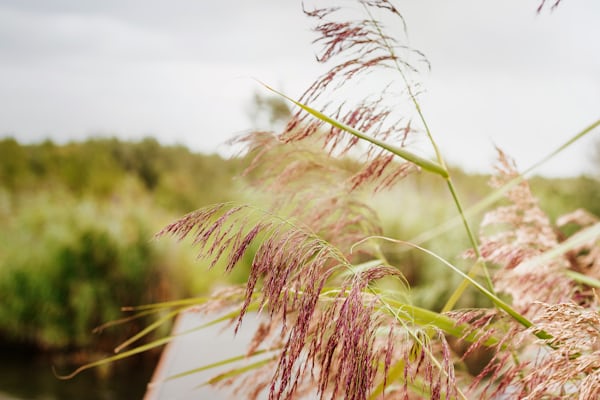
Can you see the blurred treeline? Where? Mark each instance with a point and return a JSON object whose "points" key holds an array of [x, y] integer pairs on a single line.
{"points": [[76, 234], [77, 223]]}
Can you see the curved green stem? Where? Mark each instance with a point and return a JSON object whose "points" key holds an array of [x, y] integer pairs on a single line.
{"points": [[479, 264]]}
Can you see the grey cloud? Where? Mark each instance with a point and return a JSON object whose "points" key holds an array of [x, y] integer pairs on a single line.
{"points": [[131, 66]]}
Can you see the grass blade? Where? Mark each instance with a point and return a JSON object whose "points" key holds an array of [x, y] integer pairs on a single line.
{"points": [[495, 299], [424, 163], [586, 280], [153, 326], [117, 357], [238, 371], [586, 235], [168, 304], [499, 193], [216, 364], [153, 344]]}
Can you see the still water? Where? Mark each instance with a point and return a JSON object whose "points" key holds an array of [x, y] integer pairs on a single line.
{"points": [[26, 377], [30, 377]]}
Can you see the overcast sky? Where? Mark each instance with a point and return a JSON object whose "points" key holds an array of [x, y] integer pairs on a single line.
{"points": [[181, 71]]}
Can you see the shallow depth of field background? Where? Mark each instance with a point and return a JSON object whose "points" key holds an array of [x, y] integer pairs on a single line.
{"points": [[113, 117]]}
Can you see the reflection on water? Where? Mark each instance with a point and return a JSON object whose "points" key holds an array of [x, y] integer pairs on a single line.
{"points": [[30, 377]]}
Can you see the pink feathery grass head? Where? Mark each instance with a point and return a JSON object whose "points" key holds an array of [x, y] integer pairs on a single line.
{"points": [[584, 258], [571, 367], [340, 344], [563, 366], [519, 232], [303, 181], [493, 365], [356, 47], [330, 326]]}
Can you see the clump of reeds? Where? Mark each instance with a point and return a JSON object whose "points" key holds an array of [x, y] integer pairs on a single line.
{"points": [[339, 322]]}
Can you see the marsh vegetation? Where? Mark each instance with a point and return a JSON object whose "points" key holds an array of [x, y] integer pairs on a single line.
{"points": [[378, 271]]}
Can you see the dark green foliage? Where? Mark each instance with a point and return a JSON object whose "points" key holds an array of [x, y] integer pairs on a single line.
{"points": [[69, 270], [77, 222]]}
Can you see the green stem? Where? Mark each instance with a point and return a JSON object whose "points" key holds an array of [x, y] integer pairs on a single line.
{"points": [[521, 319], [480, 263], [408, 87], [424, 163], [499, 193], [569, 142]]}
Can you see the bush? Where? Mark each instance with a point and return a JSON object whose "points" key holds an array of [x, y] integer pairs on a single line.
{"points": [[70, 266]]}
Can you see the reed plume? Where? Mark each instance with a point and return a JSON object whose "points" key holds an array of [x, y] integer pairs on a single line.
{"points": [[338, 321], [335, 332]]}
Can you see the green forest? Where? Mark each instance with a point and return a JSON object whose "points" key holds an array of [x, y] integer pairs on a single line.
{"points": [[78, 223]]}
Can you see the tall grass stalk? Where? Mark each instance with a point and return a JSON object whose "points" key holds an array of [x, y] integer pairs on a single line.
{"points": [[338, 316]]}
